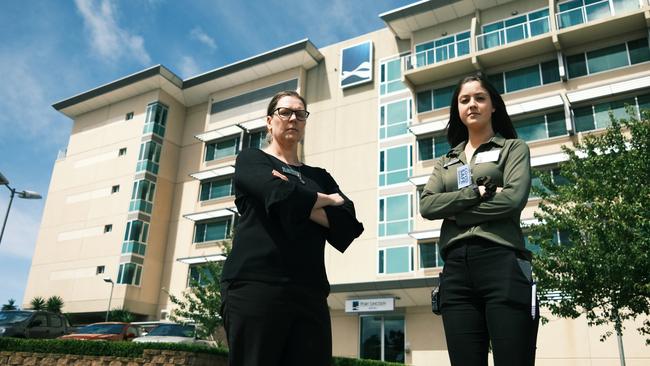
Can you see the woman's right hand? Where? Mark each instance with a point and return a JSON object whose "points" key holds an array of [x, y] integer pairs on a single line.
{"points": [[336, 198]]}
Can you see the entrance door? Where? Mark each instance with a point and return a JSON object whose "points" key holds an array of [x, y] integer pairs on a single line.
{"points": [[382, 338]]}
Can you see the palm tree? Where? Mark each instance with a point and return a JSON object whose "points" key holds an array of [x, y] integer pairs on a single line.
{"points": [[10, 305], [54, 304], [120, 315], [38, 303]]}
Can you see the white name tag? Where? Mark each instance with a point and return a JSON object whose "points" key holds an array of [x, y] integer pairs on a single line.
{"points": [[486, 156], [464, 176]]}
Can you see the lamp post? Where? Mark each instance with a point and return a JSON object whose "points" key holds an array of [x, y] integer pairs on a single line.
{"points": [[109, 280], [23, 194]]}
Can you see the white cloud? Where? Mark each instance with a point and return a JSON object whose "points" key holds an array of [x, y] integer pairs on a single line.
{"points": [[108, 39], [198, 34], [188, 67]]}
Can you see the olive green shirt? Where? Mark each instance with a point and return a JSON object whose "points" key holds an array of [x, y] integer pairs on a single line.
{"points": [[507, 162]]}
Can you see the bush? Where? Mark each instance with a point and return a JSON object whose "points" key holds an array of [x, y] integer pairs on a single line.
{"points": [[133, 350]]}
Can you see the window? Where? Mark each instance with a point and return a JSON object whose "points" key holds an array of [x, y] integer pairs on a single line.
{"points": [[608, 58], [541, 127], [390, 79], [432, 147], [430, 255], [526, 77], [395, 215], [394, 118], [108, 228], [115, 189], [149, 157], [395, 260], [442, 49], [211, 231], [514, 29], [382, 338], [122, 151], [257, 140], [198, 274], [596, 116], [55, 321], [221, 149], [156, 119], [556, 178], [433, 99], [129, 274], [142, 196], [395, 165], [576, 12], [135, 237], [216, 189], [128, 116], [100, 270]]}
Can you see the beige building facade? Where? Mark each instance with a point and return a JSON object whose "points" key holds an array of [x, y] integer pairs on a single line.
{"points": [[143, 194]]}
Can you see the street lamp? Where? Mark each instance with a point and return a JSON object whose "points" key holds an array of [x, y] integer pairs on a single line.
{"points": [[23, 194], [109, 280]]}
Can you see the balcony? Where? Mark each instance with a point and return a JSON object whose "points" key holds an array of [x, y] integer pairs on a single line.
{"points": [[513, 33], [573, 13]]}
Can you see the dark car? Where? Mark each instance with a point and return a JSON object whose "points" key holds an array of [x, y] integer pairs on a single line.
{"points": [[32, 324], [112, 331]]}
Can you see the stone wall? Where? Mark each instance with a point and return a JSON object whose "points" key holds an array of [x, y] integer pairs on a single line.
{"points": [[150, 357]]}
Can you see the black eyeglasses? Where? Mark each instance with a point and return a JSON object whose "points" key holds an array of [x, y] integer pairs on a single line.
{"points": [[285, 113]]}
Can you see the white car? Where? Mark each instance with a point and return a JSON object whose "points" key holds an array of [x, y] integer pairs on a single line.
{"points": [[174, 333]]}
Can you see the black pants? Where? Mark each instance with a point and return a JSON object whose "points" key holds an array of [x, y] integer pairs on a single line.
{"points": [[276, 325], [486, 299]]}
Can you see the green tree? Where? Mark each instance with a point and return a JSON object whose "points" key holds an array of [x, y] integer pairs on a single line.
{"points": [[37, 303], [54, 304], [602, 267], [120, 315], [201, 302], [10, 305]]}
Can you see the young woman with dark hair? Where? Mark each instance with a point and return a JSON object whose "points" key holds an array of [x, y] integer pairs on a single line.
{"points": [[487, 295]]}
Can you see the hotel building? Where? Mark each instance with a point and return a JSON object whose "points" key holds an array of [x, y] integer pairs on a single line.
{"points": [[143, 194]]}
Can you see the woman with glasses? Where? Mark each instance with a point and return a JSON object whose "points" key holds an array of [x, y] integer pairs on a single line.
{"points": [[274, 284], [478, 189]]}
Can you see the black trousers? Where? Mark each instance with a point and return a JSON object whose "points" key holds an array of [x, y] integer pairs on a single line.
{"points": [[486, 300], [276, 325]]}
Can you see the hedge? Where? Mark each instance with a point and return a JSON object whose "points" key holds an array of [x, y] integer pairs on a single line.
{"points": [[131, 349]]}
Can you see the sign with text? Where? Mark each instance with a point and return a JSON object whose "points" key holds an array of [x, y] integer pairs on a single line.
{"points": [[356, 64], [370, 305]]}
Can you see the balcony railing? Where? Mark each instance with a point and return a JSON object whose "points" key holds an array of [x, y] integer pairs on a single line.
{"points": [[513, 33], [591, 12], [437, 54]]}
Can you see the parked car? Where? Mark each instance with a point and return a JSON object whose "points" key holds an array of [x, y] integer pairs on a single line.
{"points": [[174, 333], [110, 331], [32, 324]]}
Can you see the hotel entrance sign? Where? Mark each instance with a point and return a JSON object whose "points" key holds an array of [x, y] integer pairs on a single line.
{"points": [[370, 305]]}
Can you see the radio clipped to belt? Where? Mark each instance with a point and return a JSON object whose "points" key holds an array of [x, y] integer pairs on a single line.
{"points": [[435, 297]]}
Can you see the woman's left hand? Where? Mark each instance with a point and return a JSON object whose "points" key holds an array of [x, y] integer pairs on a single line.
{"points": [[277, 174]]}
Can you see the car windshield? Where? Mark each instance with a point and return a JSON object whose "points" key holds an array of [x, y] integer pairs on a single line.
{"points": [[10, 317], [101, 329], [172, 330]]}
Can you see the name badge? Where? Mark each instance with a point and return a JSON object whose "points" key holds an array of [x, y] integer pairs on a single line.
{"points": [[487, 156], [464, 176], [293, 172]]}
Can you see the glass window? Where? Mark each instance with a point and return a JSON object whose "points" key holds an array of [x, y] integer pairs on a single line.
{"points": [[597, 116], [395, 215], [395, 165], [584, 119], [382, 338], [257, 140], [442, 96], [430, 255], [198, 274], [221, 149], [211, 231], [142, 196], [216, 189], [550, 72], [432, 147], [577, 65], [390, 76], [607, 58], [639, 51], [541, 127], [129, 274], [156, 119], [149, 157], [396, 260], [55, 321], [395, 118], [523, 78], [425, 101], [497, 81]]}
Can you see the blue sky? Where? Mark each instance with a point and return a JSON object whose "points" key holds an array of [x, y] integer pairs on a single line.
{"points": [[52, 50]]}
